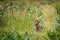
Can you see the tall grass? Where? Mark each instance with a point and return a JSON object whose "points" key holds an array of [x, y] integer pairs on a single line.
{"points": [[21, 23]]}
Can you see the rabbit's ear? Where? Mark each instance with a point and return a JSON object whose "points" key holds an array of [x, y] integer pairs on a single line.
{"points": [[37, 19]]}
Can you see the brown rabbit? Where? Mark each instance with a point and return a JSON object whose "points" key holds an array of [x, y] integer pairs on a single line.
{"points": [[37, 25]]}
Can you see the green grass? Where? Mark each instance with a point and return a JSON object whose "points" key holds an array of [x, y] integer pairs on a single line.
{"points": [[20, 27]]}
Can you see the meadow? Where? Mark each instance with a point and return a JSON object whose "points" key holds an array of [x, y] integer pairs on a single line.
{"points": [[18, 18]]}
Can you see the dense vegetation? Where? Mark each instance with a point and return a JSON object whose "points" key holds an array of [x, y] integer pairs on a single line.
{"points": [[55, 34], [18, 18]]}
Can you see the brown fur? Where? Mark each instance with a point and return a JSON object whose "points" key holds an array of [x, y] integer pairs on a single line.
{"points": [[38, 26]]}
